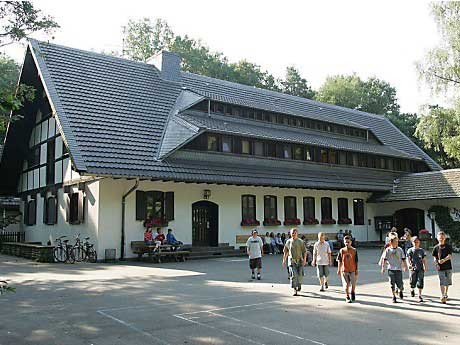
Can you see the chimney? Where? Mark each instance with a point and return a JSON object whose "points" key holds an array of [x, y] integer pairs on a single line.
{"points": [[169, 65]]}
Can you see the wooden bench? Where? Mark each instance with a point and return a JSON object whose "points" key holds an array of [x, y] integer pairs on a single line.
{"points": [[154, 252]]}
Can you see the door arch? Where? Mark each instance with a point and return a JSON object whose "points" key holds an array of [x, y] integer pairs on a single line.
{"points": [[205, 224], [412, 218]]}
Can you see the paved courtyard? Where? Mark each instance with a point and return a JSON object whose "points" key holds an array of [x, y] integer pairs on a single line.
{"points": [[214, 302]]}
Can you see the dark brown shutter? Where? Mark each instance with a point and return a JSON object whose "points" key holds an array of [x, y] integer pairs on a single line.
{"points": [[141, 207], [32, 212], [45, 210], [169, 205], [51, 210], [67, 207], [80, 205], [26, 212]]}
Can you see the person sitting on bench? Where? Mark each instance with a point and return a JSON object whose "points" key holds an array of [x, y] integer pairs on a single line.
{"points": [[160, 237], [171, 239], [148, 237]]}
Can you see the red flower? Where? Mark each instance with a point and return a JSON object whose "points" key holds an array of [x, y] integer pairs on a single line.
{"points": [[271, 221], [328, 221], [292, 221], [310, 221], [344, 221], [249, 222]]}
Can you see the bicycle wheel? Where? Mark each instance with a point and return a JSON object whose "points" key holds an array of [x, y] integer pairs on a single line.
{"points": [[70, 256], [92, 255], [78, 253], [59, 254]]}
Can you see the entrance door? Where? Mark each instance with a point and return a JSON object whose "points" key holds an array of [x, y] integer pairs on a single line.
{"points": [[412, 218], [205, 224]]}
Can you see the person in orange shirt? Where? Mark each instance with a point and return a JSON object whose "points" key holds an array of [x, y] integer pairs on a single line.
{"points": [[348, 268]]}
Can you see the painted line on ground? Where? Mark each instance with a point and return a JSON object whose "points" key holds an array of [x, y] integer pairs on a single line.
{"points": [[218, 309], [134, 328]]}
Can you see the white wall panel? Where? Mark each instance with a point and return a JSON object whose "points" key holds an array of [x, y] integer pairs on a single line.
{"points": [[30, 180], [42, 176], [24, 182], [58, 147], [51, 127], [58, 172], [38, 117], [44, 135], [32, 138], [36, 178], [66, 170], [37, 134]]}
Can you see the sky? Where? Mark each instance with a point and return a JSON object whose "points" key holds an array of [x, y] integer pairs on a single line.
{"points": [[320, 38]]}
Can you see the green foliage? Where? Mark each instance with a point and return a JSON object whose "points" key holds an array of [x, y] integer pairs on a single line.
{"points": [[445, 222], [441, 68], [439, 130], [18, 19], [146, 38]]}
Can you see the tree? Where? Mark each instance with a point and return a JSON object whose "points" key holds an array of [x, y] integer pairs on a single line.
{"points": [[441, 68], [18, 19], [294, 84], [439, 130]]}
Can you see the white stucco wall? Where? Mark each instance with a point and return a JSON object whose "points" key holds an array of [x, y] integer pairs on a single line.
{"points": [[229, 200], [41, 232]]}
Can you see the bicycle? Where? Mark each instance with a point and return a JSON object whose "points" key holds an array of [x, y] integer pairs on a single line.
{"points": [[84, 251], [63, 251], [91, 254]]}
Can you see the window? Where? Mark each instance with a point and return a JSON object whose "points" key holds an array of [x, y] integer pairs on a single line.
{"points": [[309, 208], [326, 208], [324, 156], [154, 205], [342, 158], [290, 207], [287, 152], [342, 208], [298, 152], [259, 148], [358, 211], [245, 147], [333, 157], [75, 213], [34, 157], [213, 143], [397, 164], [270, 207], [267, 117], [362, 160], [226, 144], [50, 210], [248, 207], [30, 212], [271, 149], [50, 162], [259, 115], [309, 153]]}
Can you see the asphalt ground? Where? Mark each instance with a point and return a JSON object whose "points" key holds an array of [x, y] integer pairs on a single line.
{"points": [[215, 302]]}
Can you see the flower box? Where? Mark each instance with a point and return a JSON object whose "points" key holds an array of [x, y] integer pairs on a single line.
{"points": [[271, 222], [250, 222], [424, 234], [292, 221], [155, 222], [344, 221], [310, 221], [328, 221]]}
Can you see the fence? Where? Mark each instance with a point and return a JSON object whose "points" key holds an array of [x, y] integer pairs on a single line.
{"points": [[12, 236]]}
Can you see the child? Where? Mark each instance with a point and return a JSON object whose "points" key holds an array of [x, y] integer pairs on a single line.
{"points": [[171, 239], [416, 261], [442, 253], [296, 253], [148, 236], [348, 268], [322, 257], [395, 260], [254, 249]]}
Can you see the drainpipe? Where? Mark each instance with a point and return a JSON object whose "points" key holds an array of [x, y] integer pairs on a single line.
{"points": [[123, 207]]}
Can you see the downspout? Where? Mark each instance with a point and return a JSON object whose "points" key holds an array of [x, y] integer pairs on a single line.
{"points": [[123, 208]]}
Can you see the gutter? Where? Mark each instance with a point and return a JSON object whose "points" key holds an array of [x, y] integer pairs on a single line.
{"points": [[123, 210]]}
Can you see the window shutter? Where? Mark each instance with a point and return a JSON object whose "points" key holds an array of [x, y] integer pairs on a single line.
{"points": [[169, 206], [80, 205], [141, 206], [67, 207], [32, 212], [51, 210], [26, 212], [45, 210]]}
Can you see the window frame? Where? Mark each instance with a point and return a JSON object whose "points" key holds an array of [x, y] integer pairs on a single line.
{"points": [[326, 208], [342, 208], [248, 212], [290, 210], [270, 212], [358, 214]]}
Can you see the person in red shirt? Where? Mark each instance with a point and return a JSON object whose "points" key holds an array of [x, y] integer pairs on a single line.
{"points": [[160, 237], [348, 268], [148, 236]]}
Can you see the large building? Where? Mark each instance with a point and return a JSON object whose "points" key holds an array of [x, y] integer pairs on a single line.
{"points": [[109, 143]]}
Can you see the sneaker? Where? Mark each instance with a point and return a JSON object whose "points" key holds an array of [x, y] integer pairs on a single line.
{"points": [[401, 294], [420, 299], [443, 299], [258, 276], [253, 276], [295, 292], [394, 299], [348, 299], [326, 285], [412, 293], [353, 296], [322, 289]]}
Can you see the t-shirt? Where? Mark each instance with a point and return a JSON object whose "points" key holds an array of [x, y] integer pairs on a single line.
{"points": [[348, 259], [254, 246], [296, 250], [394, 258], [415, 256], [340, 236], [160, 237], [440, 252], [147, 236], [321, 251]]}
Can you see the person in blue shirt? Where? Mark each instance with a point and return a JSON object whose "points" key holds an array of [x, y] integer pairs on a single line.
{"points": [[171, 239]]}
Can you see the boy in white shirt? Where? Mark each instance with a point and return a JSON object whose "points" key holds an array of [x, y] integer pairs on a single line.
{"points": [[254, 249], [322, 258]]}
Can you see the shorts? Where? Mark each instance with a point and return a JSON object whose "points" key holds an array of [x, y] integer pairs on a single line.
{"points": [[416, 279], [322, 270], [445, 277], [396, 278], [348, 278], [255, 263]]}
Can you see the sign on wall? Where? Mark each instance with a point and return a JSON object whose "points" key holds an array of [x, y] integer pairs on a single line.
{"points": [[455, 214]]}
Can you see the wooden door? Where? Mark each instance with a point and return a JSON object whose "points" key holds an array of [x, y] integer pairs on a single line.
{"points": [[205, 224]]}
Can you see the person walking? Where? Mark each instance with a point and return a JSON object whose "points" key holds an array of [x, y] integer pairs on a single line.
{"points": [[347, 268], [254, 249], [395, 260], [296, 253], [322, 257], [442, 254], [416, 263]]}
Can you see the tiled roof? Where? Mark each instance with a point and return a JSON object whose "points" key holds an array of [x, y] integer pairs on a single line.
{"points": [[238, 126], [442, 184]]}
